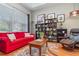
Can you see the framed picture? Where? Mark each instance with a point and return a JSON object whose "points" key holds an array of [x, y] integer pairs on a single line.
{"points": [[51, 16], [61, 17], [40, 18]]}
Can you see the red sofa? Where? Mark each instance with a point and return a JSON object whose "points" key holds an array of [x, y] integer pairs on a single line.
{"points": [[7, 46]]}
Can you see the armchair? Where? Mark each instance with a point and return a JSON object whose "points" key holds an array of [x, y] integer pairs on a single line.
{"points": [[73, 40]]}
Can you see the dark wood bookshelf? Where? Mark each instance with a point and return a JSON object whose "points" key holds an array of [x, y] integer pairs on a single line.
{"points": [[49, 28], [50, 31]]}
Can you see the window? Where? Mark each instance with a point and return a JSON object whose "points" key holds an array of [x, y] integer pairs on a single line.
{"points": [[12, 20]]}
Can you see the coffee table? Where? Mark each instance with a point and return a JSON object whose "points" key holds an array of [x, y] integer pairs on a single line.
{"points": [[37, 44]]}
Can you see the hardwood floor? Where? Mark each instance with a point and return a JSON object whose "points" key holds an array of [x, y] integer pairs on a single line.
{"points": [[54, 49], [58, 50]]}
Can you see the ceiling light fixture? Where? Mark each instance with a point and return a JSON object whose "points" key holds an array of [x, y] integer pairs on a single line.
{"points": [[74, 12]]}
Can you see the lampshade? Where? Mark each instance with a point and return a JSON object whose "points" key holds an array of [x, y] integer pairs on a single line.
{"points": [[74, 13]]}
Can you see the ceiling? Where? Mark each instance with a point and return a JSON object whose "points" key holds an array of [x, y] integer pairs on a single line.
{"points": [[31, 6], [35, 6]]}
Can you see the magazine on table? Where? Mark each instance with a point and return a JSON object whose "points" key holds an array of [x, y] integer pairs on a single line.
{"points": [[39, 40]]}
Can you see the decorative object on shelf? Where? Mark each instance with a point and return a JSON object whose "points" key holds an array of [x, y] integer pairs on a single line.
{"points": [[51, 16], [55, 20], [54, 29], [54, 33], [41, 34], [47, 29], [49, 37], [46, 22], [40, 18], [61, 19], [50, 29]]}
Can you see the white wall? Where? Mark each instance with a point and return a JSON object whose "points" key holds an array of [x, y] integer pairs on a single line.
{"points": [[58, 9]]}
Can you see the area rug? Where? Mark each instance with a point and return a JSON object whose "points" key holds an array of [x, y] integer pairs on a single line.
{"points": [[35, 51], [55, 49]]}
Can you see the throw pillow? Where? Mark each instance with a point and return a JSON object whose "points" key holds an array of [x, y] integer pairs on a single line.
{"points": [[11, 37], [27, 34]]}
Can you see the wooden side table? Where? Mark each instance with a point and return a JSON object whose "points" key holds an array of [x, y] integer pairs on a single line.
{"points": [[37, 44]]}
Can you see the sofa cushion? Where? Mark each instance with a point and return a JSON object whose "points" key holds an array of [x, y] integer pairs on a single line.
{"points": [[20, 40], [74, 37], [11, 37], [19, 35]]}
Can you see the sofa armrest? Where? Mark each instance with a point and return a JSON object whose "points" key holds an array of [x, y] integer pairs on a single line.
{"points": [[4, 40], [4, 44]]}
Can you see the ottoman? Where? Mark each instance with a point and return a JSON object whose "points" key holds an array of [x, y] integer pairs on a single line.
{"points": [[67, 43]]}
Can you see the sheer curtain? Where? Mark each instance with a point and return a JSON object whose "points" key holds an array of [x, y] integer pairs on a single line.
{"points": [[12, 20]]}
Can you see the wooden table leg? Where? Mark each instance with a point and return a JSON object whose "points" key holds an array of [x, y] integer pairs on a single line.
{"points": [[40, 51], [46, 44], [30, 49]]}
